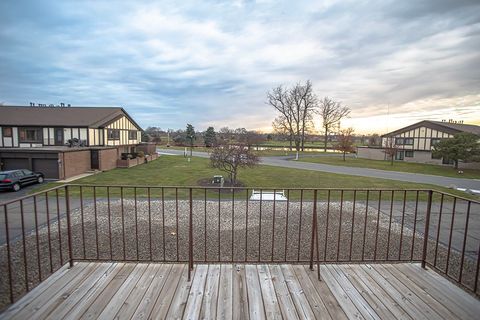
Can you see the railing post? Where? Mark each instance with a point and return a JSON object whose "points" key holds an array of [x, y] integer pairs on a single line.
{"points": [[427, 226], [69, 229], [314, 227], [190, 237]]}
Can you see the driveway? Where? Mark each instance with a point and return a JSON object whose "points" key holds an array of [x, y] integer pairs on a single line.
{"points": [[363, 172], [10, 195]]}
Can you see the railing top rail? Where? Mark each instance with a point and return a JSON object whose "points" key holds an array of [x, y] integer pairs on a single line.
{"points": [[243, 188], [31, 195], [458, 197]]}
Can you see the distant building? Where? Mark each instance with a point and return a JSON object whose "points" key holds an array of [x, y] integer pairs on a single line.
{"points": [[62, 142], [415, 142]]}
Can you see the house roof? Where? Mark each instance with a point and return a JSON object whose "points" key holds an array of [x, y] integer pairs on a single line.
{"points": [[92, 117], [448, 127]]}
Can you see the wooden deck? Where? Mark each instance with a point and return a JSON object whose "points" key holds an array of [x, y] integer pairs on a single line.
{"points": [[161, 291]]}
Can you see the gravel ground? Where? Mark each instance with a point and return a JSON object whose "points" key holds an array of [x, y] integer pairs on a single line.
{"points": [[214, 237]]}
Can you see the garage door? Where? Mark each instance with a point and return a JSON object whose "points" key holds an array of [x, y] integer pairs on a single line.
{"points": [[49, 167], [12, 164]]}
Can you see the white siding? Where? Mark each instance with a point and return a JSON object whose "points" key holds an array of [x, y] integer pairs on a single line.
{"points": [[15, 137], [52, 136], [45, 136], [124, 125]]}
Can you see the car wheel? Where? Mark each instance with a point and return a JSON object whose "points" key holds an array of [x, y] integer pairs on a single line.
{"points": [[40, 180], [16, 187]]}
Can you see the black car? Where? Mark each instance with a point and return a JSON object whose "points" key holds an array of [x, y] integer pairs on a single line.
{"points": [[16, 179]]}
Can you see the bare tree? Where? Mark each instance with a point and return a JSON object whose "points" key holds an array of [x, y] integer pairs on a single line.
{"points": [[390, 149], [345, 142], [331, 112], [374, 140], [281, 128], [229, 158], [296, 107]]}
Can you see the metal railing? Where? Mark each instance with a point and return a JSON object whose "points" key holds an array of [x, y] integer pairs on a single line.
{"points": [[45, 230]]}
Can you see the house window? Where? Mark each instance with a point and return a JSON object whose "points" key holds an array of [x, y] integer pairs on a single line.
{"points": [[7, 132], [30, 134], [435, 141], [408, 154], [399, 155], [404, 141], [132, 135], [113, 134]]}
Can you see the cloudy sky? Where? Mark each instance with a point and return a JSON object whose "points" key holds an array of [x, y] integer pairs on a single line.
{"points": [[211, 62]]}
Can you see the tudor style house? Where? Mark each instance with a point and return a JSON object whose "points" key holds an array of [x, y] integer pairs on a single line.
{"points": [[62, 142], [414, 143]]}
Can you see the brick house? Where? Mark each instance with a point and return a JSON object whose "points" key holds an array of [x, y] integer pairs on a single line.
{"points": [[414, 143], [62, 142]]}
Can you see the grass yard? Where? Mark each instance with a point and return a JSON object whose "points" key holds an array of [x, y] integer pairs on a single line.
{"points": [[176, 171], [397, 166], [260, 153]]}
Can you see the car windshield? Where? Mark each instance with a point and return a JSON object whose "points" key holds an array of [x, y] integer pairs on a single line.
{"points": [[26, 172], [2, 176]]}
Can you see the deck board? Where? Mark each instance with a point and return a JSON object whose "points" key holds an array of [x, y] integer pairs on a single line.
{"points": [[159, 291]]}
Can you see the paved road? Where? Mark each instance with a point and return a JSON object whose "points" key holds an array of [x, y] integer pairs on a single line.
{"points": [[364, 172]]}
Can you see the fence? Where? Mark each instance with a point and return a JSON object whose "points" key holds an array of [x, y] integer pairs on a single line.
{"points": [[44, 231]]}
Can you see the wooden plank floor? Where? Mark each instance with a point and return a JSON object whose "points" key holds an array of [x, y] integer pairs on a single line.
{"points": [[161, 291]]}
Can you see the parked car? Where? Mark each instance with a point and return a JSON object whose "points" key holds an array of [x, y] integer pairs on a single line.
{"points": [[16, 179]]}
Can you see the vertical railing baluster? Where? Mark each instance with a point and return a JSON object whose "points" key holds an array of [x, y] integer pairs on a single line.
{"points": [[82, 218], [438, 230], [326, 227], [378, 224], [69, 225], [260, 227], [414, 227], [109, 224], [205, 224], [176, 220], [365, 226], [190, 236], [475, 286], [450, 236], [402, 223], [149, 199], [464, 241], [353, 224], [246, 225], [163, 223], [136, 218], [219, 209], [37, 238], [50, 255], [59, 227], [427, 226], [314, 227], [286, 223], [9, 257], [390, 224], [22, 218], [123, 223], [273, 224], [339, 225], [233, 221], [300, 225], [96, 218]]}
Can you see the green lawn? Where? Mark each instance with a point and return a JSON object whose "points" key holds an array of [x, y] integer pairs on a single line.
{"points": [[397, 166], [177, 171]]}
